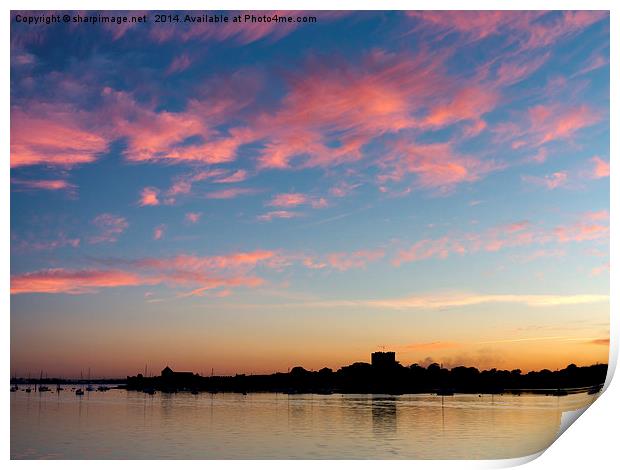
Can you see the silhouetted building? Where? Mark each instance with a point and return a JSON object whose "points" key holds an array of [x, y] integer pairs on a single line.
{"points": [[383, 359], [168, 373]]}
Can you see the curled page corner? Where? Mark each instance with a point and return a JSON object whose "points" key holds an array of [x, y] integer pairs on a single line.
{"points": [[569, 417]]}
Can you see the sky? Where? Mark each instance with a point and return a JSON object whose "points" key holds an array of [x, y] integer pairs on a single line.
{"points": [[249, 197]]}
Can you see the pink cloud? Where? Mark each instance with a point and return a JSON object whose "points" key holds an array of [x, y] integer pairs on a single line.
{"points": [[357, 259], [218, 283], [434, 165], [118, 30], [424, 249], [319, 203], [158, 232], [193, 217], [240, 33], [342, 189], [553, 123], [513, 235], [179, 64], [56, 281], [288, 200], [545, 33], [468, 104], [596, 215], [380, 97], [110, 227], [516, 226], [49, 185], [161, 136], [60, 241], [230, 193], [552, 181], [598, 270], [525, 29], [544, 124], [601, 168], [343, 261], [236, 177], [58, 140], [197, 263], [510, 72], [268, 216], [183, 184], [149, 197], [198, 273], [583, 230], [475, 24]]}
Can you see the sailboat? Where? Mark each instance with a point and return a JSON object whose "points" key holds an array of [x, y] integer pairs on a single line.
{"points": [[79, 391], [14, 387], [89, 387], [42, 388]]}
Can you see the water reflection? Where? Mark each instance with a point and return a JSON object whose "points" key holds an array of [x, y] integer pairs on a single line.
{"points": [[384, 415], [122, 424]]}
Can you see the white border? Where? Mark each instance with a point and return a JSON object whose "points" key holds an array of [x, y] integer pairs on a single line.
{"points": [[592, 443]]}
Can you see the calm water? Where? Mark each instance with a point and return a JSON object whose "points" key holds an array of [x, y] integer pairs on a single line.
{"points": [[120, 425]]}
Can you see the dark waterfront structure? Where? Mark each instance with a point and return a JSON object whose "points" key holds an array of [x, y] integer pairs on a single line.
{"points": [[383, 359], [383, 375]]}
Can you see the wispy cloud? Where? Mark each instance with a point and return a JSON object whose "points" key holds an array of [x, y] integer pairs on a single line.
{"points": [[199, 274], [179, 64], [230, 193], [59, 139], [268, 216], [193, 217], [45, 185], [445, 301], [159, 231], [110, 227], [552, 181]]}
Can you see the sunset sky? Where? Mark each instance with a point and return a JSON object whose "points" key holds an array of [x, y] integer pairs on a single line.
{"points": [[253, 197]]}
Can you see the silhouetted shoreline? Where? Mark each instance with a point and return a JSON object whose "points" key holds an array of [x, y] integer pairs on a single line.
{"points": [[383, 375]]}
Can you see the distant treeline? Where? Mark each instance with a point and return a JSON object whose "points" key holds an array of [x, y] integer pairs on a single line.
{"points": [[392, 379]]}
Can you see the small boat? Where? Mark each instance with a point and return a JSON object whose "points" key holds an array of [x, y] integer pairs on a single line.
{"points": [[149, 390], [59, 388], [28, 390], [79, 391], [14, 388], [90, 388], [103, 388], [42, 388]]}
